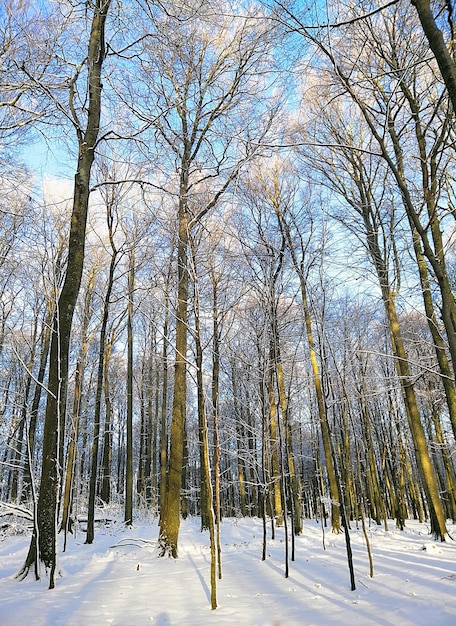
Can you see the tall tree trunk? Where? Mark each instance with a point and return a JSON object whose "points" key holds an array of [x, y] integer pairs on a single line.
{"points": [[215, 416], [435, 251], [438, 523], [102, 349], [106, 457], [290, 464], [439, 343], [17, 464], [240, 437], [204, 487], [449, 479], [43, 547], [152, 435], [276, 475], [45, 346], [206, 468], [152, 380], [299, 267], [164, 401], [170, 507], [75, 419], [373, 489], [142, 398], [129, 457]]}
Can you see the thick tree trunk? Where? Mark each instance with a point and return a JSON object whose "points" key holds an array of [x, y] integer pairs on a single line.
{"points": [[438, 46], [43, 544], [438, 522], [170, 507]]}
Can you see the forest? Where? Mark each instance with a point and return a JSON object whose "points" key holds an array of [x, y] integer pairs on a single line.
{"points": [[227, 266]]}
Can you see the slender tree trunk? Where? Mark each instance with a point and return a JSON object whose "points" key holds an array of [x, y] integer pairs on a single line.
{"points": [[106, 457], [294, 490], [450, 478], [142, 398], [432, 232], [98, 393], [67, 522], [152, 437], [83, 428], [45, 346], [324, 425], [372, 482], [240, 437], [204, 491], [215, 416], [17, 493], [150, 390], [164, 402], [206, 468], [129, 457], [75, 420], [276, 476]]}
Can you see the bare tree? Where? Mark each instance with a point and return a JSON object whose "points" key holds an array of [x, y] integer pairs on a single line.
{"points": [[200, 96], [43, 544]]}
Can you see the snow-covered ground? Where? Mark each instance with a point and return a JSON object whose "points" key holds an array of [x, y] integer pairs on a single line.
{"points": [[119, 581]]}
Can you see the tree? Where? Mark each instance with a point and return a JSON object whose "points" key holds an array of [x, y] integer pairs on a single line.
{"points": [[67, 521], [43, 544], [129, 456], [280, 189], [203, 105], [111, 200], [205, 465], [367, 195], [382, 125]]}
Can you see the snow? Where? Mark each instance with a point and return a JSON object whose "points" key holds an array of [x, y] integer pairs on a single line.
{"points": [[119, 581]]}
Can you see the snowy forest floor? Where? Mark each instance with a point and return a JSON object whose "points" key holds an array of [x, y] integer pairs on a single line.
{"points": [[119, 581]]}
